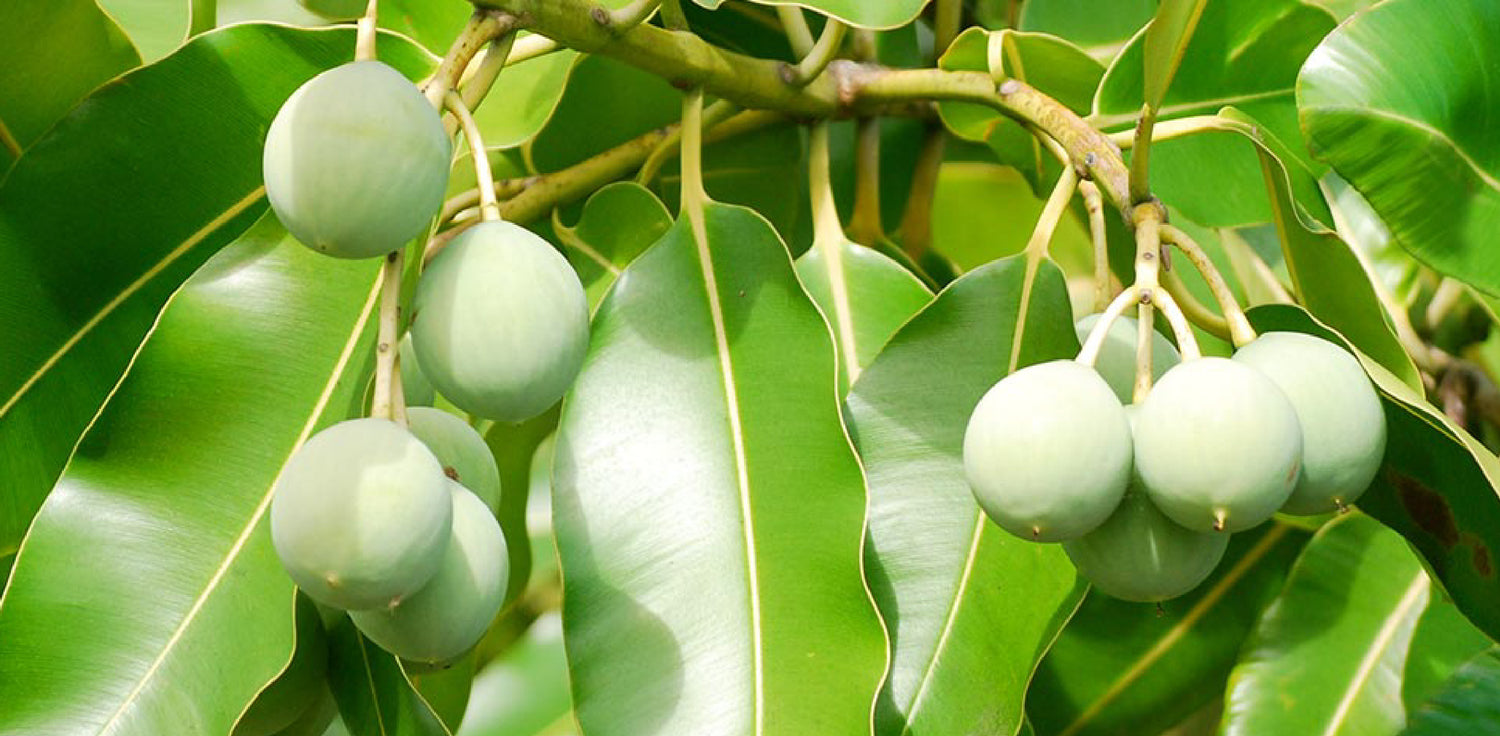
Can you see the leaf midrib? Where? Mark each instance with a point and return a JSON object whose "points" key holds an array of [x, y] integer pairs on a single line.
{"points": [[1414, 593]]}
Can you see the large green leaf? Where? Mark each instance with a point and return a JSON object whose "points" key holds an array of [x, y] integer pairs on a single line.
{"points": [[524, 693], [1244, 53], [154, 549], [524, 97], [156, 27], [1100, 26], [984, 211], [859, 13], [374, 695], [619, 222], [1443, 642], [970, 608], [105, 216], [1124, 668], [1437, 486], [865, 297], [606, 103], [1400, 100], [1164, 44], [1470, 704], [54, 52], [708, 591], [514, 445], [1327, 656]]}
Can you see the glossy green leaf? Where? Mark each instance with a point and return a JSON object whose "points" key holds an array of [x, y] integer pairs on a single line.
{"points": [[606, 103], [514, 446], [1443, 642], [1244, 53], [1165, 42], [155, 27], [1469, 704], [1437, 486], [1047, 63], [858, 13], [982, 211], [619, 222], [524, 693], [864, 296], [1328, 655], [1399, 100], [1100, 26], [80, 292], [156, 541], [54, 52], [970, 609], [1123, 668], [707, 591], [432, 23], [374, 695], [524, 98], [763, 170], [445, 690]]}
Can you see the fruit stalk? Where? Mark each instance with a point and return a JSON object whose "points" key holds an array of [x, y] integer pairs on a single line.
{"points": [[1090, 352], [364, 38], [388, 402], [1093, 202], [496, 57], [1239, 327], [483, 27], [489, 206]]}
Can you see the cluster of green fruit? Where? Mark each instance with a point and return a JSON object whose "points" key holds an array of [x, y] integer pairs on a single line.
{"points": [[396, 524], [1144, 496]]}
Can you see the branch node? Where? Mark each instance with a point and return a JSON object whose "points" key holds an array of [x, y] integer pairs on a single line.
{"points": [[600, 15], [787, 72], [1010, 87]]}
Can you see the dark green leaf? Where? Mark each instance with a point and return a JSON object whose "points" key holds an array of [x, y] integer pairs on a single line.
{"points": [[970, 609], [1468, 704], [54, 52], [1443, 642], [1400, 101], [374, 695], [858, 13], [1437, 486], [606, 103], [154, 549], [1122, 668], [81, 291], [1327, 656], [707, 590]]}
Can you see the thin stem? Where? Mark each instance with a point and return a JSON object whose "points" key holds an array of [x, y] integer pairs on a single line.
{"points": [[1447, 296], [496, 57], [1239, 327], [1193, 309], [865, 224], [530, 47], [483, 26], [1093, 202], [794, 25], [1251, 268], [826, 226], [1140, 175], [818, 58], [693, 193], [632, 15], [671, 16], [1052, 212], [1095, 341], [364, 35], [1147, 219], [915, 230], [714, 114], [1169, 129], [489, 207], [388, 402], [1186, 342]]}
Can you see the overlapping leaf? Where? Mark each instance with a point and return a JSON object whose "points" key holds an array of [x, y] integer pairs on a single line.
{"points": [[1400, 100], [970, 608], [1469, 704], [860, 13], [707, 590], [166, 502], [81, 290]]}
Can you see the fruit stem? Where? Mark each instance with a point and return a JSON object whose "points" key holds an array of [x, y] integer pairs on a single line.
{"points": [[489, 207], [794, 25], [1052, 212], [1140, 177], [1181, 328], [388, 402], [817, 58], [483, 26], [1192, 308], [496, 57], [1095, 341], [364, 35], [1240, 330], [1093, 202]]}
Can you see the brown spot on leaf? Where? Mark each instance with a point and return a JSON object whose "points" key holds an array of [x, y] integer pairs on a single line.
{"points": [[1482, 561], [1426, 507], [451, 472]]}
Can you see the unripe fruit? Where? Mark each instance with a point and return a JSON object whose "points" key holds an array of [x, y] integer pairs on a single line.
{"points": [[501, 322], [459, 449], [1217, 445], [441, 621], [356, 161], [1343, 426], [415, 388], [1116, 361], [1139, 554], [361, 514], [1047, 451]]}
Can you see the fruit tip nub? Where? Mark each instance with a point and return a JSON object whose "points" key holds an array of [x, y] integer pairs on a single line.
{"points": [[1219, 521]]}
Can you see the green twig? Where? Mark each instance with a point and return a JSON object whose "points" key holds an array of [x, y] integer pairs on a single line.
{"points": [[483, 27], [496, 57]]}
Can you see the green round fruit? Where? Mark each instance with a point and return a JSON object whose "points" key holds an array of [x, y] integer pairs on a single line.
{"points": [[1343, 426], [450, 615], [1139, 554], [1217, 445], [1047, 451], [1116, 361], [361, 515], [501, 323], [460, 450], [356, 161], [335, 9], [415, 388], [297, 689]]}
